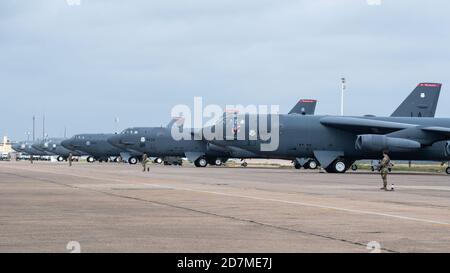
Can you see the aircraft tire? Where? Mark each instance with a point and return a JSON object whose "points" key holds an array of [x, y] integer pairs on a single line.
{"points": [[447, 170], [201, 162], [90, 159], [60, 158], [338, 166], [218, 162], [178, 163], [297, 166], [133, 160], [354, 167], [245, 164], [158, 160], [312, 164]]}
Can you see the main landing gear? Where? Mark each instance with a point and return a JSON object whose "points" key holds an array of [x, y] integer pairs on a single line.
{"points": [[311, 164], [204, 161], [158, 160], [201, 162], [339, 166], [133, 160]]}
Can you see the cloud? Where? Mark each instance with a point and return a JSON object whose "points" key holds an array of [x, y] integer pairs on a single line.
{"points": [[85, 65]]}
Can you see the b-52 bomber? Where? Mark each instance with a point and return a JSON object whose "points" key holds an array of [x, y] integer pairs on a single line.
{"points": [[336, 142], [53, 146], [94, 145], [158, 142]]}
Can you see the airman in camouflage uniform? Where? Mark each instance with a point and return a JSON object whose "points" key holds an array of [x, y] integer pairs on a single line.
{"points": [[384, 169], [145, 163]]}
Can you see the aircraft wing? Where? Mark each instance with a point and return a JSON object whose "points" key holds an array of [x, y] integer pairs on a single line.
{"points": [[424, 135], [364, 126], [442, 131]]}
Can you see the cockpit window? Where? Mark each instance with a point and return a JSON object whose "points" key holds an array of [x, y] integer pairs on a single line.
{"points": [[129, 132]]}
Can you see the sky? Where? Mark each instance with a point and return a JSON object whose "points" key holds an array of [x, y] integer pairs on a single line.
{"points": [[85, 65]]}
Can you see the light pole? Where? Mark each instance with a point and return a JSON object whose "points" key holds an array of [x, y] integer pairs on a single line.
{"points": [[34, 127], [43, 127], [343, 81], [116, 123]]}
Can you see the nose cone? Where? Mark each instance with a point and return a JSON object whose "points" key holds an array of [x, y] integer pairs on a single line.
{"points": [[67, 144], [16, 147]]}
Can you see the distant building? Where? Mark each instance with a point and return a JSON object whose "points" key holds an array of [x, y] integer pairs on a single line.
{"points": [[6, 146]]}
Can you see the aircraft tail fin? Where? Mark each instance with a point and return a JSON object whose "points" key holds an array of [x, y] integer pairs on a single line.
{"points": [[304, 107], [176, 121], [422, 102]]}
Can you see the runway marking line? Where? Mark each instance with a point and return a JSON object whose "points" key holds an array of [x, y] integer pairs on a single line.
{"points": [[355, 211]]}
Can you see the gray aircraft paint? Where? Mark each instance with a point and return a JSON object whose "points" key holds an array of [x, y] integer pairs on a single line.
{"points": [[328, 138], [304, 107], [53, 145], [158, 141], [28, 147], [422, 102], [95, 145]]}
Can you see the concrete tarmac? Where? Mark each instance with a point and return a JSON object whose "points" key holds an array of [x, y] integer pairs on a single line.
{"points": [[118, 208]]}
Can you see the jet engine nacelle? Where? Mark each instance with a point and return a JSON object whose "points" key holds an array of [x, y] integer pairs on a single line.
{"points": [[381, 143], [447, 148]]}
